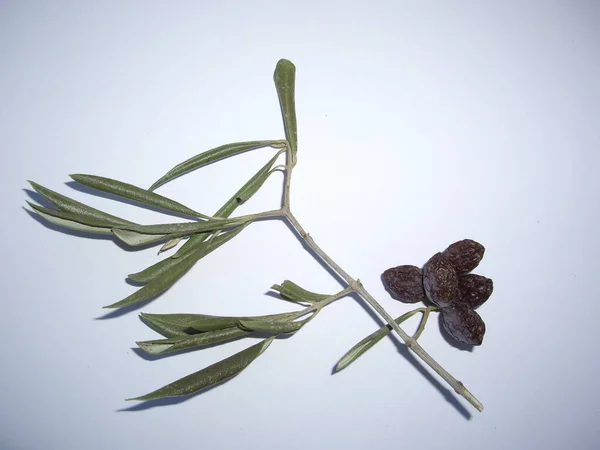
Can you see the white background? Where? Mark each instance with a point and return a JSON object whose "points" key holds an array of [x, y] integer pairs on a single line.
{"points": [[420, 123]]}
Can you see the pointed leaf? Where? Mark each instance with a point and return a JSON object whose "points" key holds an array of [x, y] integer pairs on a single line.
{"points": [[271, 326], [186, 324], [244, 193], [185, 228], [177, 343], [223, 370], [372, 339], [82, 219], [207, 247], [73, 225], [136, 239], [210, 156], [159, 284], [169, 245], [69, 205], [134, 193], [293, 292], [285, 82], [360, 348], [166, 327]]}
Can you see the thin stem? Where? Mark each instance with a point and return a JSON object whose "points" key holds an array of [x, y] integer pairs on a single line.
{"points": [[263, 215], [357, 287], [318, 306], [423, 322], [290, 163]]}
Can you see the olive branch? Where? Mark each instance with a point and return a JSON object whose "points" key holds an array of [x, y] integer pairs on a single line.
{"points": [[205, 234]]}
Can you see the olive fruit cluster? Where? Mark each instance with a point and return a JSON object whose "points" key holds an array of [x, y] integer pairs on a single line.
{"points": [[446, 281]]}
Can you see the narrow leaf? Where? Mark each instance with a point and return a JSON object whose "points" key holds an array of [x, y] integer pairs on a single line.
{"points": [[159, 284], [136, 239], [169, 245], [72, 217], [223, 370], [244, 193], [186, 324], [185, 342], [360, 348], [271, 326], [185, 228], [207, 247], [285, 82], [372, 339], [69, 205], [73, 225], [166, 327], [134, 193], [209, 156], [293, 292]]}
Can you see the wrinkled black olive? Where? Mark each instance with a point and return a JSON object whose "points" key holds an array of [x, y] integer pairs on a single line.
{"points": [[463, 324], [405, 283], [440, 281], [464, 255], [475, 289]]}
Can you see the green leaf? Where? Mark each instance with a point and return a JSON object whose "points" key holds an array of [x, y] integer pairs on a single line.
{"points": [[72, 217], [137, 239], [166, 327], [96, 224], [209, 156], [169, 244], [244, 193], [292, 291], [207, 247], [271, 326], [368, 342], [135, 193], [71, 206], [177, 343], [360, 348], [171, 325], [159, 284], [71, 224], [211, 375], [185, 228], [285, 82]]}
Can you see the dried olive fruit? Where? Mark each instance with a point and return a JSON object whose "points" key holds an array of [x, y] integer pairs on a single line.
{"points": [[405, 283], [475, 289], [463, 324], [464, 255], [440, 281]]}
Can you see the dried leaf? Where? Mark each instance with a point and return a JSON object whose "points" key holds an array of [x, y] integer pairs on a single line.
{"points": [[182, 324], [135, 193], [158, 284], [223, 370], [184, 342], [292, 291], [71, 206], [285, 83], [210, 156], [245, 192], [271, 326], [207, 247], [368, 342]]}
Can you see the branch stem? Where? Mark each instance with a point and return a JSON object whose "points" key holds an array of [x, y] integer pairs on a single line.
{"points": [[357, 287]]}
